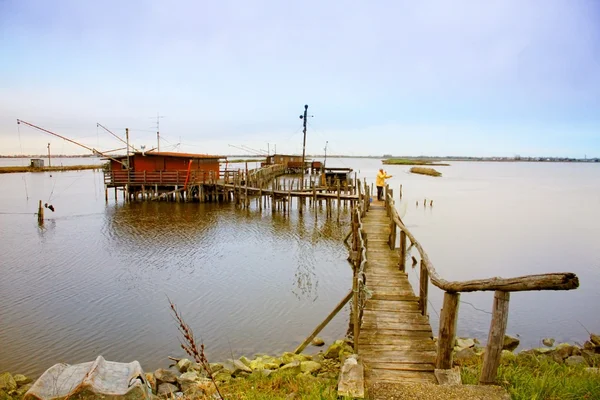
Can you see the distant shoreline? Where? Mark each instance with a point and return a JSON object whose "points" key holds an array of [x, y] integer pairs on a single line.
{"points": [[247, 157], [21, 169]]}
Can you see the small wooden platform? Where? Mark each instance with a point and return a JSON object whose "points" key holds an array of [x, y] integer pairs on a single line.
{"points": [[396, 341]]}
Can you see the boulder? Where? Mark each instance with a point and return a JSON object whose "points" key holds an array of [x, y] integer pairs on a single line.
{"points": [[236, 367], [310, 367], [464, 343], [151, 379], [165, 375], [448, 377], [564, 350], [21, 380], [293, 368], [510, 343], [289, 357], [265, 362], [222, 376], [187, 379], [22, 390], [183, 365], [7, 382], [541, 351], [465, 355], [245, 361], [589, 346], [338, 346], [548, 342], [167, 389], [215, 367], [575, 360], [595, 339], [4, 395], [317, 341], [352, 381], [591, 358]]}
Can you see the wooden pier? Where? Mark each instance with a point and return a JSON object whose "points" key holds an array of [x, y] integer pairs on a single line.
{"points": [[390, 324], [396, 341]]}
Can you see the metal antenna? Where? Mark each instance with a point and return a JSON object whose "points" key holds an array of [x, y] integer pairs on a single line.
{"points": [[304, 117], [158, 117]]}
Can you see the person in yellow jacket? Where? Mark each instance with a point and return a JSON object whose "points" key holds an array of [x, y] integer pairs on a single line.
{"points": [[380, 183]]}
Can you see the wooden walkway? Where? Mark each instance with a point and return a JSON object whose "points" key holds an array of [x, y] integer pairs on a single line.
{"points": [[395, 341]]}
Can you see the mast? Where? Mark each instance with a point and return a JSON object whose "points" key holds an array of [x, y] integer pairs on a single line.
{"points": [[303, 145]]}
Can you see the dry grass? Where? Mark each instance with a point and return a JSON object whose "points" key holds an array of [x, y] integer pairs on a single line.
{"points": [[425, 171], [192, 349]]}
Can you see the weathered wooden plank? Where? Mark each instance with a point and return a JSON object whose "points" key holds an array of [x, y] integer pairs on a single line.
{"points": [[387, 325], [394, 297], [371, 333], [412, 344], [402, 356], [386, 375]]}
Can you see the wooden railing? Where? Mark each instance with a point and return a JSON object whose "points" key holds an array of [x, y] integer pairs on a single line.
{"points": [[359, 259], [159, 177], [449, 313]]}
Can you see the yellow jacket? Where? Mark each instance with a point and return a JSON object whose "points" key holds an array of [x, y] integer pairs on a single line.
{"points": [[381, 177]]}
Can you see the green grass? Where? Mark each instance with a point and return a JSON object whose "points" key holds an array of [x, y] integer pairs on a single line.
{"points": [[425, 171], [404, 161], [258, 387], [529, 377]]}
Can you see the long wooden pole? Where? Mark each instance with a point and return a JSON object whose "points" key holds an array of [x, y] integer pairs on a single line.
{"points": [[324, 323], [304, 146]]}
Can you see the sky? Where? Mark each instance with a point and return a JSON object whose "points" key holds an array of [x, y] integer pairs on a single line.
{"points": [[473, 78]]}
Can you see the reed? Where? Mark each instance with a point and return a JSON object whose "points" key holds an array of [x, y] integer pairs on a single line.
{"points": [[190, 347], [425, 171]]}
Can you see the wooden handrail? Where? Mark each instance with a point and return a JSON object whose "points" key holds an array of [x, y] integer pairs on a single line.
{"points": [[449, 313]]}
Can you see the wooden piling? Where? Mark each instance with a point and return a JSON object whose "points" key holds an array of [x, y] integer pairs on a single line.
{"points": [[423, 288], [40, 214], [447, 331], [495, 342]]}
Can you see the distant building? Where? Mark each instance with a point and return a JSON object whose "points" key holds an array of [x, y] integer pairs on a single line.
{"points": [[36, 163]]}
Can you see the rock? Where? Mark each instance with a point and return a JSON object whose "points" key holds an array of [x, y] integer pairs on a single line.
{"points": [[265, 372], [317, 341], [564, 350], [548, 342], [576, 351], [151, 379], [4, 395], [589, 346], [450, 377], [510, 343], [165, 375], [7, 382], [507, 356], [236, 367], [591, 358], [310, 367], [265, 362], [222, 376], [215, 367], [166, 389], [541, 351], [21, 379], [592, 370], [183, 365], [245, 361], [352, 383], [463, 343], [595, 339], [293, 368], [289, 357], [187, 379], [575, 360], [23, 389], [338, 346], [465, 355]]}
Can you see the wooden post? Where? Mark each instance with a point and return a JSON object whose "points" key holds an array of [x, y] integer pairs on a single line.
{"points": [[495, 342], [447, 332], [41, 214], [106, 193], [402, 264], [423, 288], [339, 202], [400, 191]]}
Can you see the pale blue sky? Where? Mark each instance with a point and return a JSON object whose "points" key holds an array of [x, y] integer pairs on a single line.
{"points": [[404, 77]]}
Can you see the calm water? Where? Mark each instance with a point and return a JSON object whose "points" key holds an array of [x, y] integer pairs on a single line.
{"points": [[96, 279]]}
